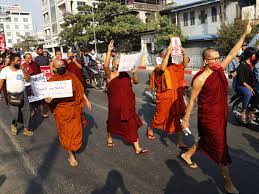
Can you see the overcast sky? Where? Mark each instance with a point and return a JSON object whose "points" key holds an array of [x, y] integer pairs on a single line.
{"points": [[34, 7]]}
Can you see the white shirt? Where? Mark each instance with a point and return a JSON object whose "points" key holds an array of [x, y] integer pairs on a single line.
{"points": [[15, 82]]}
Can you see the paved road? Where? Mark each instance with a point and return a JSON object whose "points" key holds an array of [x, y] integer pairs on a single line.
{"points": [[39, 165]]}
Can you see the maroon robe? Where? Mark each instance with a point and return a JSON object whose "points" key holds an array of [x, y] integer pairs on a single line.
{"points": [[73, 68], [212, 117], [122, 117]]}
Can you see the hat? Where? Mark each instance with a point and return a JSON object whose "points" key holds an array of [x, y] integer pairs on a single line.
{"points": [[244, 44]]}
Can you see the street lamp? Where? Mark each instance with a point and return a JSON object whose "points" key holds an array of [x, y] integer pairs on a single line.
{"points": [[94, 5]]}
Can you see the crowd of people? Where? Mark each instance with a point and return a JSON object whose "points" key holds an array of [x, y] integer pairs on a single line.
{"points": [[209, 86]]}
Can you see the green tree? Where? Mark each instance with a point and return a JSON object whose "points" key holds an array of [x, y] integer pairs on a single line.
{"points": [[27, 41], [229, 34], [163, 27], [114, 21]]}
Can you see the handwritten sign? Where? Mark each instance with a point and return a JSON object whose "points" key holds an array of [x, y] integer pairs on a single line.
{"points": [[176, 46], [36, 88], [127, 62], [59, 89], [46, 70]]}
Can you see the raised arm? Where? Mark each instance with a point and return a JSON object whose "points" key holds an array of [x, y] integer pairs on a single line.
{"points": [[106, 67], [232, 54], [166, 58], [196, 88]]}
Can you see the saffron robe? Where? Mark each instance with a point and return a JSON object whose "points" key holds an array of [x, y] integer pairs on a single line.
{"points": [[170, 106], [212, 117], [68, 113], [122, 117]]}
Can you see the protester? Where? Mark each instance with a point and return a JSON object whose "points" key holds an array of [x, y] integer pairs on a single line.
{"points": [[15, 84], [68, 112], [168, 80], [75, 67], [211, 87], [58, 55], [41, 59], [122, 117], [245, 79], [3, 65]]}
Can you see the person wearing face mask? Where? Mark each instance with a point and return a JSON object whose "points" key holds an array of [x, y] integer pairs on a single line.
{"points": [[68, 112], [168, 79], [210, 86], [122, 117], [15, 84], [245, 79]]}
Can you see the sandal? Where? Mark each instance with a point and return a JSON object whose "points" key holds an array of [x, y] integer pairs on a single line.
{"points": [[186, 163], [110, 144], [73, 164], [243, 118], [13, 130], [183, 147], [45, 116], [252, 117], [142, 151], [150, 137], [28, 133]]}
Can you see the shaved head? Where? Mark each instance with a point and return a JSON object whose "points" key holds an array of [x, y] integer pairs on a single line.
{"points": [[207, 52], [57, 63]]}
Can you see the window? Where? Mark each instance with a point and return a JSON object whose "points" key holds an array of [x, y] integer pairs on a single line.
{"points": [[25, 19], [80, 3], [18, 34], [26, 27], [15, 19], [174, 18], [9, 40], [7, 26], [214, 14], [185, 19], [203, 17], [16, 26], [192, 17], [9, 34]]}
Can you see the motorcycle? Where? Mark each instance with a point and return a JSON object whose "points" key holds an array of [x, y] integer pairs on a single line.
{"points": [[151, 95], [95, 75], [237, 111]]}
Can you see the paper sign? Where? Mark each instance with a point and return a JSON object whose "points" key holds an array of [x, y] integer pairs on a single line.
{"points": [[176, 46], [127, 62], [59, 89], [36, 88], [46, 70]]}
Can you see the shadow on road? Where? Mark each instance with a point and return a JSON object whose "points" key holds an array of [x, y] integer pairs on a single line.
{"points": [[181, 183], [147, 110], [254, 142], [35, 185], [2, 179], [87, 131], [114, 183]]}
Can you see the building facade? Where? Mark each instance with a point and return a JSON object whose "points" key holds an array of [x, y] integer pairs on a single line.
{"points": [[52, 14], [16, 23]]}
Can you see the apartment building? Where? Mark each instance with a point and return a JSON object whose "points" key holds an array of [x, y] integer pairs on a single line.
{"points": [[15, 23]]}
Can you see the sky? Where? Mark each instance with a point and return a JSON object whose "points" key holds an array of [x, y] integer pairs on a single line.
{"points": [[34, 7]]}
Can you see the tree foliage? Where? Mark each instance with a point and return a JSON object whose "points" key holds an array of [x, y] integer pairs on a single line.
{"points": [[229, 34], [27, 41]]}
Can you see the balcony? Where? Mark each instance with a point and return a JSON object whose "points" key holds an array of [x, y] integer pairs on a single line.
{"points": [[60, 2], [144, 7]]}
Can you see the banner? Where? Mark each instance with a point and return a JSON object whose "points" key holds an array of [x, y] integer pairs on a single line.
{"points": [[2, 38], [46, 70], [127, 62]]}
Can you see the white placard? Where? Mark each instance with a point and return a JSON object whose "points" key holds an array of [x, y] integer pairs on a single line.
{"points": [[37, 87], [59, 89], [176, 46], [127, 62]]}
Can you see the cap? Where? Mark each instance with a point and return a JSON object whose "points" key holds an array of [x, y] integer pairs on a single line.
{"points": [[161, 49]]}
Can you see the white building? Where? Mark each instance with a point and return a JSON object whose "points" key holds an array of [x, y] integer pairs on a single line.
{"points": [[201, 20], [52, 14], [16, 23]]}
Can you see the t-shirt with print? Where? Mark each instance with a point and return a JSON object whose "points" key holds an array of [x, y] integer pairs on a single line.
{"points": [[15, 82]]}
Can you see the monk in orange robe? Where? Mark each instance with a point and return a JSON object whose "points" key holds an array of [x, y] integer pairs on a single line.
{"points": [[122, 117], [210, 86], [68, 111], [168, 80]]}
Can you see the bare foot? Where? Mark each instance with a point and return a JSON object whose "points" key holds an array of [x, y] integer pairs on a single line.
{"points": [[141, 151], [230, 188], [72, 160], [150, 134], [188, 161]]}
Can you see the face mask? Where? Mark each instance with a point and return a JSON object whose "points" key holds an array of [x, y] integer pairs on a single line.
{"points": [[29, 62], [17, 66], [253, 58], [61, 70], [215, 66]]}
